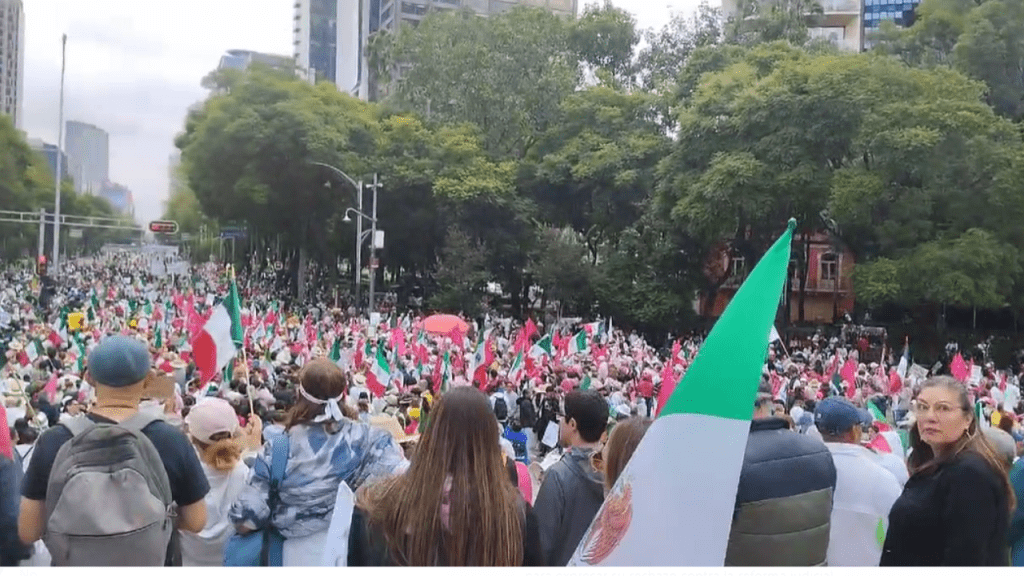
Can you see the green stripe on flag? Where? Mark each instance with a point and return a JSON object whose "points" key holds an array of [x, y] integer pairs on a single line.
{"points": [[724, 377]]}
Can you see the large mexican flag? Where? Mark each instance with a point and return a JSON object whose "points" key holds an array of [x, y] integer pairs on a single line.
{"points": [[673, 504]]}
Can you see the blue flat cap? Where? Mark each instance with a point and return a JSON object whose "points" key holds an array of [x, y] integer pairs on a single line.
{"points": [[119, 361]]}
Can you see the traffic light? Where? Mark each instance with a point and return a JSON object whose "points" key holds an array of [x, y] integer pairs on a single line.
{"points": [[163, 227], [41, 266]]}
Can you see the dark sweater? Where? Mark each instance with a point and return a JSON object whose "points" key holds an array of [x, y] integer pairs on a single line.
{"points": [[956, 515]]}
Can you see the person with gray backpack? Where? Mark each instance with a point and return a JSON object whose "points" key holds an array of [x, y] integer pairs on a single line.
{"points": [[110, 488]]}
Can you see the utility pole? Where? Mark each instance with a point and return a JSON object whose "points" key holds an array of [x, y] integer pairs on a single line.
{"points": [[359, 247], [42, 230], [60, 146], [373, 243]]}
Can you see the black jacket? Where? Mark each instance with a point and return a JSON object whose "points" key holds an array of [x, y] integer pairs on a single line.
{"points": [[12, 551], [367, 545], [956, 515], [784, 499]]}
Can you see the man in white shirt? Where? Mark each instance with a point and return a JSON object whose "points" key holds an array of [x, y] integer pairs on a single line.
{"points": [[864, 490]]}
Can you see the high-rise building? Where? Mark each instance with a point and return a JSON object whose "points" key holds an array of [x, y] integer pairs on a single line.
{"points": [[242, 59], [50, 152], [88, 150], [900, 12], [331, 36], [12, 59], [119, 196], [839, 22]]}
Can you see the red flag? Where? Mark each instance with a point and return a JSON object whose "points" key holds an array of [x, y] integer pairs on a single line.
{"points": [[668, 385], [849, 375], [880, 444], [895, 384], [398, 340], [457, 337], [6, 447], [530, 329], [51, 388], [958, 368]]}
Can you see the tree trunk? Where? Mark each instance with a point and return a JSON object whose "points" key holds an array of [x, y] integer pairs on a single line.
{"points": [[301, 272], [804, 267]]}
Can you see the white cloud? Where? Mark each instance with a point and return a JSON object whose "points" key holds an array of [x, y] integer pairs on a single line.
{"points": [[134, 67]]}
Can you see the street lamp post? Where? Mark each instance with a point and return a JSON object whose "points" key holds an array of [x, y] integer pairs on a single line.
{"points": [[60, 137], [359, 228]]}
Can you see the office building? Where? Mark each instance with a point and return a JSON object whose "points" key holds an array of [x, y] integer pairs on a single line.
{"points": [[12, 60], [88, 150], [242, 59], [330, 36], [900, 12], [839, 22], [119, 196], [50, 152]]}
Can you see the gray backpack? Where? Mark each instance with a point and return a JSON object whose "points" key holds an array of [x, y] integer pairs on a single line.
{"points": [[108, 500]]}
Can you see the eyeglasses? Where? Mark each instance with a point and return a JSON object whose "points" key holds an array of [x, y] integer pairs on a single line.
{"points": [[941, 409]]}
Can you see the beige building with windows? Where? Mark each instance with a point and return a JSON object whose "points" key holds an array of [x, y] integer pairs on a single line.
{"points": [[12, 59], [840, 22]]}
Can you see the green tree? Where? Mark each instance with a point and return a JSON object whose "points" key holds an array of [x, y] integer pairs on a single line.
{"points": [[461, 275], [668, 50], [594, 167], [506, 74], [561, 267], [247, 154]]}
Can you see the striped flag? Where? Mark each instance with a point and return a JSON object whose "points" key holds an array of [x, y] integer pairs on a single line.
{"points": [[647, 519], [218, 340]]}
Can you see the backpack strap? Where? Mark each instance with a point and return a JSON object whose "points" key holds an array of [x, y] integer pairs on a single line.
{"points": [[280, 447]]}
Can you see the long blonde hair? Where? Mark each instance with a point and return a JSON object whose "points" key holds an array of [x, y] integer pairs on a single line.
{"points": [[485, 520]]}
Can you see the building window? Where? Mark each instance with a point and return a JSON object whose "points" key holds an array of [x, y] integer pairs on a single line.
{"points": [[829, 267], [411, 8], [737, 269]]}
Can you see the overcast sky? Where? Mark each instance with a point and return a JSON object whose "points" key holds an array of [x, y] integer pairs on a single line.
{"points": [[134, 66]]}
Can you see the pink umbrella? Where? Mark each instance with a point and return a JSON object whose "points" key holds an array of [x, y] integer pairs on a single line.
{"points": [[444, 324]]}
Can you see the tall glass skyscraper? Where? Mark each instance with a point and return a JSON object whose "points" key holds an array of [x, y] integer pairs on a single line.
{"points": [[315, 33]]}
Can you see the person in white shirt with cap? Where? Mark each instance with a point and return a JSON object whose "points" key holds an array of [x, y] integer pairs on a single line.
{"points": [[864, 490], [213, 429]]}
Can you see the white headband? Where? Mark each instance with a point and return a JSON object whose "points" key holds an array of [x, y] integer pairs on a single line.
{"points": [[332, 411]]}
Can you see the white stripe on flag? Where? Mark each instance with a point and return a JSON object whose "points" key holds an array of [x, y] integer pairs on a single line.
{"points": [[219, 329], [673, 524]]}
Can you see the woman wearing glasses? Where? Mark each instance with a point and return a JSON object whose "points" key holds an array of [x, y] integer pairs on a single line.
{"points": [[955, 509]]}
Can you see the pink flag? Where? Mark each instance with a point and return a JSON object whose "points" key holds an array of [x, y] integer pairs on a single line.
{"points": [[51, 388], [668, 385], [398, 340], [958, 368], [6, 448], [849, 375]]}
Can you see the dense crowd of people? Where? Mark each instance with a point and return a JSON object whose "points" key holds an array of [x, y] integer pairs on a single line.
{"points": [[414, 440]]}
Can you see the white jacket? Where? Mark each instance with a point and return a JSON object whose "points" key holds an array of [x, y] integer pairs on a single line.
{"points": [[860, 509]]}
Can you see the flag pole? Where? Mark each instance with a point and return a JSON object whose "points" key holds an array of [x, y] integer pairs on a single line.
{"points": [[245, 361]]}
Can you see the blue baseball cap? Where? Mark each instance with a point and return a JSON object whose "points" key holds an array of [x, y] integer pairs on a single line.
{"points": [[835, 415], [119, 361]]}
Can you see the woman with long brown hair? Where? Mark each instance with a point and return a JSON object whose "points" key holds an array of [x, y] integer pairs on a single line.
{"points": [[955, 509], [328, 445], [623, 441], [454, 506]]}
